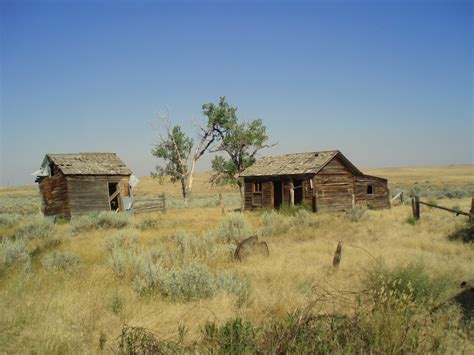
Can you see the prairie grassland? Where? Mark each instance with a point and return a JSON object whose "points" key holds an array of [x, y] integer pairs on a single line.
{"points": [[71, 287]]}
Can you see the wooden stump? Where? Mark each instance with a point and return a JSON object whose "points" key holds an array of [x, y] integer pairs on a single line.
{"points": [[337, 255]]}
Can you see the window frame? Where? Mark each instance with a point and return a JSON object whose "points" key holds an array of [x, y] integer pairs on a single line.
{"points": [[257, 191], [371, 188]]}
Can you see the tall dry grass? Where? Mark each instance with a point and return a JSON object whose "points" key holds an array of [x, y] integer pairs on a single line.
{"points": [[85, 310]]}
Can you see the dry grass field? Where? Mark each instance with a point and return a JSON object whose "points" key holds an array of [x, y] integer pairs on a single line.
{"points": [[71, 287]]}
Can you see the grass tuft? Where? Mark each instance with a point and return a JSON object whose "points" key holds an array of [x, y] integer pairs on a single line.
{"points": [[64, 261]]}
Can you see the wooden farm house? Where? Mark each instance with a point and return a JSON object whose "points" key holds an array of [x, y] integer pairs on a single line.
{"points": [[75, 184], [327, 181]]}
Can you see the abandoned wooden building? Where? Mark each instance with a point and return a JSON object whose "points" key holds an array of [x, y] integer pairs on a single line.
{"points": [[75, 184], [327, 181]]}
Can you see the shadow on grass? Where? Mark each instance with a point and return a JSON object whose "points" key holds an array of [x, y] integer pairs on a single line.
{"points": [[465, 234], [465, 300]]}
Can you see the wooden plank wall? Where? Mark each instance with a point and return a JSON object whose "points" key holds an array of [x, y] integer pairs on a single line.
{"points": [[248, 192], [334, 186], [380, 196], [267, 189], [307, 192], [91, 193], [55, 196]]}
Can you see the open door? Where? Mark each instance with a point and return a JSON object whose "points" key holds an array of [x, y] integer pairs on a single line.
{"points": [[277, 194], [298, 186], [114, 196]]}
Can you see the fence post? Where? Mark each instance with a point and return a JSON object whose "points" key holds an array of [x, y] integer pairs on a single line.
{"points": [[401, 198], [163, 196], [417, 208], [471, 212]]}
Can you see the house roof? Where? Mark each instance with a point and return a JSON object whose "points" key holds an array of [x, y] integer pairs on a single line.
{"points": [[295, 164], [89, 164]]}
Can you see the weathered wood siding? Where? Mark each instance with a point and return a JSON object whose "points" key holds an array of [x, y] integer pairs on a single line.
{"points": [[54, 196], [334, 186], [267, 198], [255, 200], [91, 193], [248, 192], [337, 187], [307, 192], [380, 193], [268, 193]]}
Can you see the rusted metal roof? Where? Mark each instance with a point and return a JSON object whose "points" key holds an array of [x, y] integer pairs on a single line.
{"points": [[89, 164], [295, 164]]}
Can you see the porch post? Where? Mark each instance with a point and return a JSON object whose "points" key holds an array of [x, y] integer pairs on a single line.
{"points": [[292, 193]]}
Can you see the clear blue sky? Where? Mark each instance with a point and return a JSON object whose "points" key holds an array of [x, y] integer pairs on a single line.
{"points": [[387, 82]]}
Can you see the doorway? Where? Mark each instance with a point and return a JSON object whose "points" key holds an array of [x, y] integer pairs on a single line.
{"points": [[298, 186], [113, 196], [277, 194]]}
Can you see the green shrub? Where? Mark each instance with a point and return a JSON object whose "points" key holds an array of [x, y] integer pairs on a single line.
{"points": [[357, 212], [410, 220], [137, 340], [116, 304], [123, 239], [62, 261], [292, 210], [38, 228], [103, 220], [234, 227], [128, 262], [447, 192], [233, 337], [13, 252], [205, 248], [8, 219], [397, 320], [273, 223], [409, 281], [148, 222], [189, 282]]}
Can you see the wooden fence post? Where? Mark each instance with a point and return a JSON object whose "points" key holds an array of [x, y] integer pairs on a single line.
{"points": [[163, 196], [401, 198], [416, 211], [471, 212]]}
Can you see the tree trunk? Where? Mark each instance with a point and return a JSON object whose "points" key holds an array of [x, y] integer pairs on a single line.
{"points": [[242, 195], [184, 191], [191, 175]]}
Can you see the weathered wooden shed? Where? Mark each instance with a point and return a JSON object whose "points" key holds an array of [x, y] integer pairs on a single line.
{"points": [[327, 181], [80, 183]]}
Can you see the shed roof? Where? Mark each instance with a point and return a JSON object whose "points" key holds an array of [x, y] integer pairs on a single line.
{"points": [[89, 164], [295, 164]]}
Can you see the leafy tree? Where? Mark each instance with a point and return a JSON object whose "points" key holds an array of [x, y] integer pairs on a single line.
{"points": [[175, 148], [240, 141]]}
